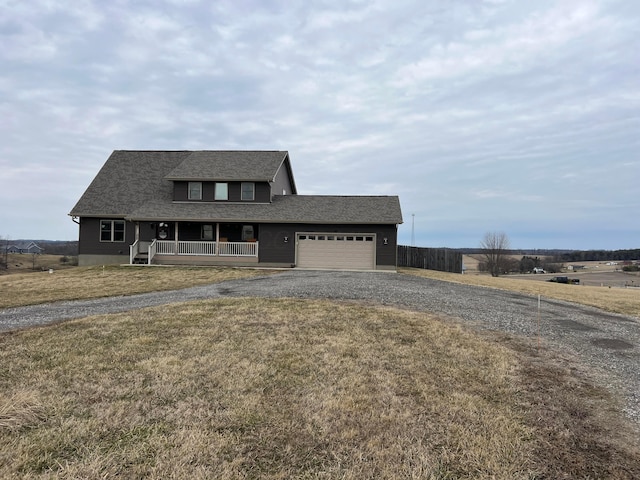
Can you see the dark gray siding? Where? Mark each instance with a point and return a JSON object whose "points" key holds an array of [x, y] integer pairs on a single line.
{"points": [[180, 191], [147, 231], [274, 249], [90, 238], [282, 182]]}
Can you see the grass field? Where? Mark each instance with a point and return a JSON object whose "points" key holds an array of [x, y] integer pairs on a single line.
{"points": [[91, 282], [256, 388], [28, 262], [617, 300]]}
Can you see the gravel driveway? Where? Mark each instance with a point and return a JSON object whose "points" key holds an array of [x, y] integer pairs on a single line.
{"points": [[607, 342]]}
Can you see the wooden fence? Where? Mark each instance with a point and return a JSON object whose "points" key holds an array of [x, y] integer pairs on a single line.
{"points": [[442, 259]]}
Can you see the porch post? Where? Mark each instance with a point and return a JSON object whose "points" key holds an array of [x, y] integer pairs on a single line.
{"points": [[176, 239], [217, 249], [135, 248], [137, 231]]}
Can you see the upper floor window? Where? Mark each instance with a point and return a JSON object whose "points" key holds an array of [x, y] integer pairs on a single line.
{"points": [[222, 191], [195, 190], [248, 191], [112, 230]]}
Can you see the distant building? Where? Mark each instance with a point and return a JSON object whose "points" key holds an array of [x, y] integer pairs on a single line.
{"points": [[576, 267], [25, 247]]}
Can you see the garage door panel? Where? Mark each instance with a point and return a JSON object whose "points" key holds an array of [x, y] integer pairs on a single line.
{"points": [[336, 251]]}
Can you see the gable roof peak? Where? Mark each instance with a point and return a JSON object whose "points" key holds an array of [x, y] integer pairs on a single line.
{"points": [[229, 165]]}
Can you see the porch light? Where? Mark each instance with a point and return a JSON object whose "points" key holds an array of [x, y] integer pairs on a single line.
{"points": [[286, 239], [384, 241]]}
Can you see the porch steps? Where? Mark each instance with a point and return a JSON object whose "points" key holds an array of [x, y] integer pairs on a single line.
{"points": [[141, 259]]}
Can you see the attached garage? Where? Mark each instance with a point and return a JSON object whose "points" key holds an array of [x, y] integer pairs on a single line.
{"points": [[336, 251]]}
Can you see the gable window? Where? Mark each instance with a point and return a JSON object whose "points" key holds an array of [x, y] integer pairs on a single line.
{"points": [[248, 191], [112, 230], [195, 190], [222, 191]]}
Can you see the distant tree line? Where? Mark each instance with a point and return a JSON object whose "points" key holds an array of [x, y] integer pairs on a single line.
{"points": [[58, 247], [600, 255], [564, 256], [498, 257], [516, 251], [525, 265]]}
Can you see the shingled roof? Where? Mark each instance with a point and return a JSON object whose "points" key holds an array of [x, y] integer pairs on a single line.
{"points": [[126, 180], [138, 186], [258, 166], [284, 209]]}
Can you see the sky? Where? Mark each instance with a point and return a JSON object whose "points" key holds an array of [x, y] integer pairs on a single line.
{"points": [[483, 116]]}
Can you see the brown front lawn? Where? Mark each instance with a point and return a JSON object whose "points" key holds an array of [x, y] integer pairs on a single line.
{"points": [[257, 388]]}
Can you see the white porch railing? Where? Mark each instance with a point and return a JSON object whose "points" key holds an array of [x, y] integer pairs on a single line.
{"points": [[133, 251], [165, 247], [196, 248], [223, 249], [153, 248], [238, 249]]}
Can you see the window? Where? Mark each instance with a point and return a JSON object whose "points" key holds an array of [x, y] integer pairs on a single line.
{"points": [[247, 233], [195, 190], [207, 232], [112, 230], [248, 191], [222, 191]]}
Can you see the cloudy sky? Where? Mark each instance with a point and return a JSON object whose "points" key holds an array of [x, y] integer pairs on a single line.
{"points": [[495, 115]]}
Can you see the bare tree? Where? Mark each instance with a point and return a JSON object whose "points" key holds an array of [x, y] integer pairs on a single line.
{"points": [[495, 246]]}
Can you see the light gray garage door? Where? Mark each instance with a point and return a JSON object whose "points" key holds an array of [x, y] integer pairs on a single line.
{"points": [[336, 251]]}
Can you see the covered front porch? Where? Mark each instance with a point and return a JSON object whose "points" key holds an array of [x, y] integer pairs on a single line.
{"points": [[194, 243]]}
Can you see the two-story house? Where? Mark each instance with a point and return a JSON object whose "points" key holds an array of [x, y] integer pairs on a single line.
{"points": [[237, 208]]}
